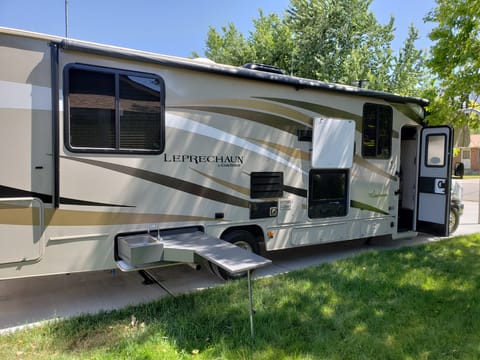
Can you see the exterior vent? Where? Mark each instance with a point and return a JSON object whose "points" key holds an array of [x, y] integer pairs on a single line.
{"points": [[264, 68], [266, 185], [304, 134]]}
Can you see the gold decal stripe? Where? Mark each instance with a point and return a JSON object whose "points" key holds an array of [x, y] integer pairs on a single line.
{"points": [[19, 216], [319, 109], [92, 218], [60, 217], [227, 184], [296, 153], [271, 120], [168, 181], [263, 106]]}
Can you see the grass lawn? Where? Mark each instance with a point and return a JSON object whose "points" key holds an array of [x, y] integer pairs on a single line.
{"points": [[421, 302]]}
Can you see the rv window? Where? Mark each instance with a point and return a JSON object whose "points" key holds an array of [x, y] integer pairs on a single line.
{"points": [[377, 131], [435, 154], [328, 193], [110, 110]]}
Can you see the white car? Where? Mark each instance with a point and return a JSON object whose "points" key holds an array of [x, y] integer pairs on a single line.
{"points": [[456, 206]]}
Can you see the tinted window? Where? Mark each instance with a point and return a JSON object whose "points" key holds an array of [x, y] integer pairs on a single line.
{"points": [[328, 193], [113, 110], [377, 131], [92, 109]]}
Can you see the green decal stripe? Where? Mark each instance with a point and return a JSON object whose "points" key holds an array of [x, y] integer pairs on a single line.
{"points": [[174, 183], [274, 121], [363, 206]]}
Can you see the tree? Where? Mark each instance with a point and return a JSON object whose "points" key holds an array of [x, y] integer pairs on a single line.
{"points": [[231, 47], [455, 58], [338, 40], [269, 43], [331, 40], [409, 75]]}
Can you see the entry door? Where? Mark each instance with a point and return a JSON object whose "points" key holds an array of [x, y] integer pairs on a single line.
{"points": [[434, 180]]}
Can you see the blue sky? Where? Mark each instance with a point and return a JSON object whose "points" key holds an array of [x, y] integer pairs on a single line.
{"points": [[176, 27]]}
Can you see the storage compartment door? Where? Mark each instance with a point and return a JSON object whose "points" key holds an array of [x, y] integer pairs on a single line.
{"points": [[333, 143], [21, 230], [434, 180]]}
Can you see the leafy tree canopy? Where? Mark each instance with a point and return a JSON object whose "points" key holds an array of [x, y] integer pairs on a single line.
{"points": [[330, 40], [455, 60]]}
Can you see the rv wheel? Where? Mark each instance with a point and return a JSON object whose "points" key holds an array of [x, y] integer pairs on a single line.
{"points": [[240, 238], [454, 220]]}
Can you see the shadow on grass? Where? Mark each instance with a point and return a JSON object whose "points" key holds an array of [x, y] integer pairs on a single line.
{"points": [[419, 302]]}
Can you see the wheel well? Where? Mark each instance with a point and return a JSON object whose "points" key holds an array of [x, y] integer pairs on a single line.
{"points": [[255, 230]]}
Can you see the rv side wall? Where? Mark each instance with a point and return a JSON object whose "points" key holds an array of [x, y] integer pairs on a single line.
{"points": [[147, 146]]}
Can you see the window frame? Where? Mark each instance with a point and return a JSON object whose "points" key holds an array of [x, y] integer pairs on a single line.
{"points": [[116, 72], [328, 201], [378, 107]]}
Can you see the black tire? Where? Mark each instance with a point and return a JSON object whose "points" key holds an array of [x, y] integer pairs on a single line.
{"points": [[243, 239], [453, 220]]}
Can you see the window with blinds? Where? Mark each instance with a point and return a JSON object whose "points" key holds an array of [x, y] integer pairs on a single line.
{"points": [[111, 110], [377, 131]]}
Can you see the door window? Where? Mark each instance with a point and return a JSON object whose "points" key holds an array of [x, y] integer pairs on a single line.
{"points": [[435, 150]]}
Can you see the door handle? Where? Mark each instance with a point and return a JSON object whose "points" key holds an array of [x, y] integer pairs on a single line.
{"points": [[440, 186]]}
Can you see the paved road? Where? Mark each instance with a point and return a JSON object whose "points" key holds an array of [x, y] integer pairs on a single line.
{"points": [[27, 301]]}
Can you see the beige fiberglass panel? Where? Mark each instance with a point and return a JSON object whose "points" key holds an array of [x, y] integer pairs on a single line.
{"points": [[15, 140], [24, 61], [25, 114], [26, 148], [21, 229]]}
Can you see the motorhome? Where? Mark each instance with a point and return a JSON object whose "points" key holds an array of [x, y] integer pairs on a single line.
{"points": [[118, 158]]}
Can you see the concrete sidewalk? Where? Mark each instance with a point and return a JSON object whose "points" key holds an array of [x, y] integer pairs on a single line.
{"points": [[28, 301]]}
